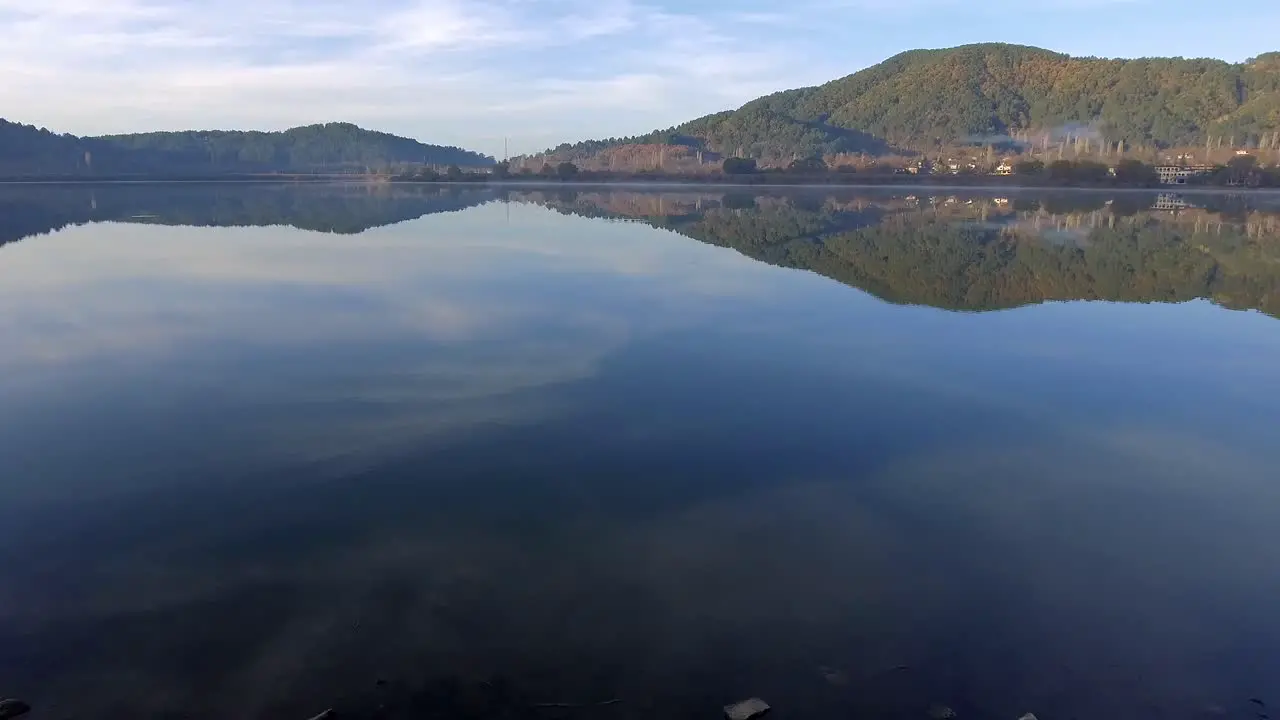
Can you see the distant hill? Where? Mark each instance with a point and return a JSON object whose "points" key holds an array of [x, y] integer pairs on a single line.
{"points": [[26, 151], [924, 98]]}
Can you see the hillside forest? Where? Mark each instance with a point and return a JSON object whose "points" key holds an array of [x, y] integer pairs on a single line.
{"points": [[28, 151], [968, 103]]}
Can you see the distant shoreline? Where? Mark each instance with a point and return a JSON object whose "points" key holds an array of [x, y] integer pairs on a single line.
{"points": [[864, 183], [1022, 187], [246, 178], [830, 180]]}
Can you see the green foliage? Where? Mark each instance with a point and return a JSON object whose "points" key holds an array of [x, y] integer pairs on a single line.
{"points": [[1136, 173], [739, 166], [27, 150], [1077, 172], [314, 146], [984, 93], [1061, 171], [1028, 167], [566, 171], [1242, 170], [1242, 163], [332, 147]]}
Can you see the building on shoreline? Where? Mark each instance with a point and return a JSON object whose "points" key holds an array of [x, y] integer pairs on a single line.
{"points": [[1180, 174]]}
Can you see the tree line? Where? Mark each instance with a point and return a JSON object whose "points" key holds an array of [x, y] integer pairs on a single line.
{"points": [[27, 151]]}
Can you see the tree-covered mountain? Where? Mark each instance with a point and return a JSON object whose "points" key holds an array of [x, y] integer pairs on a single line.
{"points": [[975, 254], [923, 98], [26, 151]]}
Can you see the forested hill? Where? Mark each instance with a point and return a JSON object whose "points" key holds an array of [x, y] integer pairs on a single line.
{"points": [[26, 151], [923, 98], [332, 145]]}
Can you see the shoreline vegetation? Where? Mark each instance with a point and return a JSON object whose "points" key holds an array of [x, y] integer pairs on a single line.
{"points": [[761, 179], [1241, 174]]}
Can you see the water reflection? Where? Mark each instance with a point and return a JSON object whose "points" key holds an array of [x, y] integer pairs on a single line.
{"points": [[508, 456], [341, 208], [984, 252]]}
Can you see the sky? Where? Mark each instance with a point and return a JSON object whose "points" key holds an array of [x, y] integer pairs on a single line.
{"points": [[523, 74]]}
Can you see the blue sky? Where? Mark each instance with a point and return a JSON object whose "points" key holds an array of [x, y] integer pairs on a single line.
{"points": [[471, 72]]}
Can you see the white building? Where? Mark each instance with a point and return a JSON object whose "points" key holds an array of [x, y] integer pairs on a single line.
{"points": [[1179, 174]]}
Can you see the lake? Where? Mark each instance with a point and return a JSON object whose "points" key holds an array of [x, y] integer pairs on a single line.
{"points": [[512, 453]]}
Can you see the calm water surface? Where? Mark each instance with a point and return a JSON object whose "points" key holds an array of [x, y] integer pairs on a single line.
{"points": [[856, 453]]}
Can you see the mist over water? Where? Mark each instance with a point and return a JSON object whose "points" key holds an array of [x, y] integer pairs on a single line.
{"points": [[857, 453]]}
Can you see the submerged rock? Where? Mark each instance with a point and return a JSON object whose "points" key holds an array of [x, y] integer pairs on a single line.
{"points": [[941, 712], [746, 710], [11, 708], [1029, 716], [833, 676]]}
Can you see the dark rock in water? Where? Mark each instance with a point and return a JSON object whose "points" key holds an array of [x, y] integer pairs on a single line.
{"points": [[1257, 702], [833, 676], [941, 712], [11, 708], [381, 683], [746, 710]]}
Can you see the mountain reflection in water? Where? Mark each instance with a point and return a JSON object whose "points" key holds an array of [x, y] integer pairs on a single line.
{"points": [[983, 252], [500, 452]]}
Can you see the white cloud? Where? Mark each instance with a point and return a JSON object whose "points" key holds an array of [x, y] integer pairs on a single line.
{"points": [[89, 303], [444, 70], [472, 72]]}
